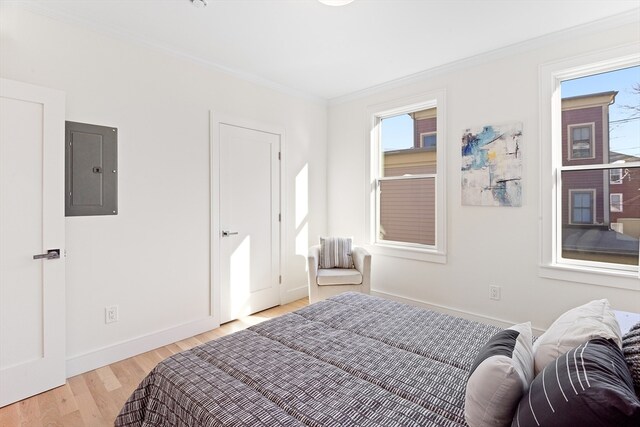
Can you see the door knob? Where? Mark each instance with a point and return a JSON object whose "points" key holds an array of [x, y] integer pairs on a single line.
{"points": [[51, 254], [228, 233]]}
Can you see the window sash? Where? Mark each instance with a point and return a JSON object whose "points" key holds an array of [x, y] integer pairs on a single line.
{"points": [[580, 141], [429, 136], [582, 206], [551, 74], [559, 259], [616, 202], [615, 176]]}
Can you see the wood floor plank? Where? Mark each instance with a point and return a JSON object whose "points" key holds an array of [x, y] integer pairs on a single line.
{"points": [[73, 419], [49, 414], [29, 412], [65, 399], [89, 411], [78, 385], [107, 407], [109, 380], [10, 416], [93, 399]]}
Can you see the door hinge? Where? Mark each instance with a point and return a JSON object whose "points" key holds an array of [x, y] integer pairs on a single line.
{"points": [[280, 279], [279, 217], [279, 155]]}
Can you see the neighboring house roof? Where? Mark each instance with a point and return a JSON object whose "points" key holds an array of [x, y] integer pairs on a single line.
{"points": [[598, 240], [589, 100], [621, 157]]}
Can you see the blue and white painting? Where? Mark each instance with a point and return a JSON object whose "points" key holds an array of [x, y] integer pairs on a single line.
{"points": [[492, 166]]}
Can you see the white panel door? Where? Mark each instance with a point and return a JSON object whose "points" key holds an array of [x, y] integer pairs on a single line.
{"points": [[249, 224], [32, 291]]}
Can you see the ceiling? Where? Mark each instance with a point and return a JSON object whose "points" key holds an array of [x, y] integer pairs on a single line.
{"points": [[327, 52]]}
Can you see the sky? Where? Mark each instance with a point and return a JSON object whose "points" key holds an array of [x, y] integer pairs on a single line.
{"points": [[397, 132]]}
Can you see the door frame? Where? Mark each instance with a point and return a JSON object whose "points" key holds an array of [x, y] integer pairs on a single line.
{"points": [[215, 120], [53, 372]]}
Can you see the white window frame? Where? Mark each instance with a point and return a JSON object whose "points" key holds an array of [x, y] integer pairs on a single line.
{"points": [[619, 205], [375, 113], [591, 191], [592, 151], [616, 181], [552, 265]]}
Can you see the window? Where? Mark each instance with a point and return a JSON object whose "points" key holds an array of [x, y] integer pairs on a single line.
{"points": [[581, 141], [428, 140], [406, 186], [615, 202], [406, 206], [615, 176], [593, 115], [582, 206]]}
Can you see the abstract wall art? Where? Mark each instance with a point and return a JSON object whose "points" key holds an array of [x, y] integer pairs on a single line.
{"points": [[492, 165]]}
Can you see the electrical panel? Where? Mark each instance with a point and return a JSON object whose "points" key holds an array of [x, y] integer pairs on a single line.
{"points": [[91, 167]]}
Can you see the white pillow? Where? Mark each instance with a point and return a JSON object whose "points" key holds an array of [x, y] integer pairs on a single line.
{"points": [[575, 327], [500, 375]]}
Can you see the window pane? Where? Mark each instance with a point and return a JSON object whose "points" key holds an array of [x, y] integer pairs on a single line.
{"points": [[615, 176], [600, 208], [407, 210], [592, 229], [617, 94], [429, 141], [402, 150]]}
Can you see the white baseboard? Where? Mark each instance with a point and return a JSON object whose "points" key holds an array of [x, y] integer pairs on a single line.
{"points": [[452, 311], [106, 355], [294, 294]]}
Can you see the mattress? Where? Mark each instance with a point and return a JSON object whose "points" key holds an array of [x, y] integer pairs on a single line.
{"points": [[351, 360]]}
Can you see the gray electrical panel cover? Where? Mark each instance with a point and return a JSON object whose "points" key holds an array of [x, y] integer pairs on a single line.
{"points": [[91, 168]]}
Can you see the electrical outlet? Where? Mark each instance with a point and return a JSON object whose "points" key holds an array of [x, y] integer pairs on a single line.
{"points": [[494, 292], [111, 314]]}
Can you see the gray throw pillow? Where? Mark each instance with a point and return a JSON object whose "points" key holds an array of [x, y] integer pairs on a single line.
{"points": [[499, 376], [631, 351], [588, 386]]}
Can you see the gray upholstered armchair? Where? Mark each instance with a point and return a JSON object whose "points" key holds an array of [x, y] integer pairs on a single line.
{"points": [[326, 282]]}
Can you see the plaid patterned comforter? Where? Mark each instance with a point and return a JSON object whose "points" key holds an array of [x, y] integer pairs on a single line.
{"points": [[352, 360]]}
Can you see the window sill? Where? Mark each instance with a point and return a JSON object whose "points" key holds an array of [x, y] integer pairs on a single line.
{"points": [[417, 254], [591, 275]]}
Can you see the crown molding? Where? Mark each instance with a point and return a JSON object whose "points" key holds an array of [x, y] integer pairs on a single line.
{"points": [[39, 8], [612, 22], [629, 17]]}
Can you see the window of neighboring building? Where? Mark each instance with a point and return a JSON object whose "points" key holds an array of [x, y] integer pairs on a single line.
{"points": [[593, 116], [581, 146], [582, 206], [615, 202], [428, 140], [615, 176], [407, 208]]}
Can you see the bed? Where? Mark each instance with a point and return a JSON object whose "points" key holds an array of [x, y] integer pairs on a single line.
{"points": [[351, 360]]}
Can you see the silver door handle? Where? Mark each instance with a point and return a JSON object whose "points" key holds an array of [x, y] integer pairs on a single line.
{"points": [[51, 254], [228, 233]]}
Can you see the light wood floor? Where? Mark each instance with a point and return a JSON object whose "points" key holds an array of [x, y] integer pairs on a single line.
{"points": [[93, 399]]}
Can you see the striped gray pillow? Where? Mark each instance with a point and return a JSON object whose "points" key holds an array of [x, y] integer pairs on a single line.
{"points": [[631, 351], [589, 385], [335, 252]]}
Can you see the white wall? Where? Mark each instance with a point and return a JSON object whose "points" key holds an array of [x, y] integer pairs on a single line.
{"points": [[152, 259], [485, 245]]}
